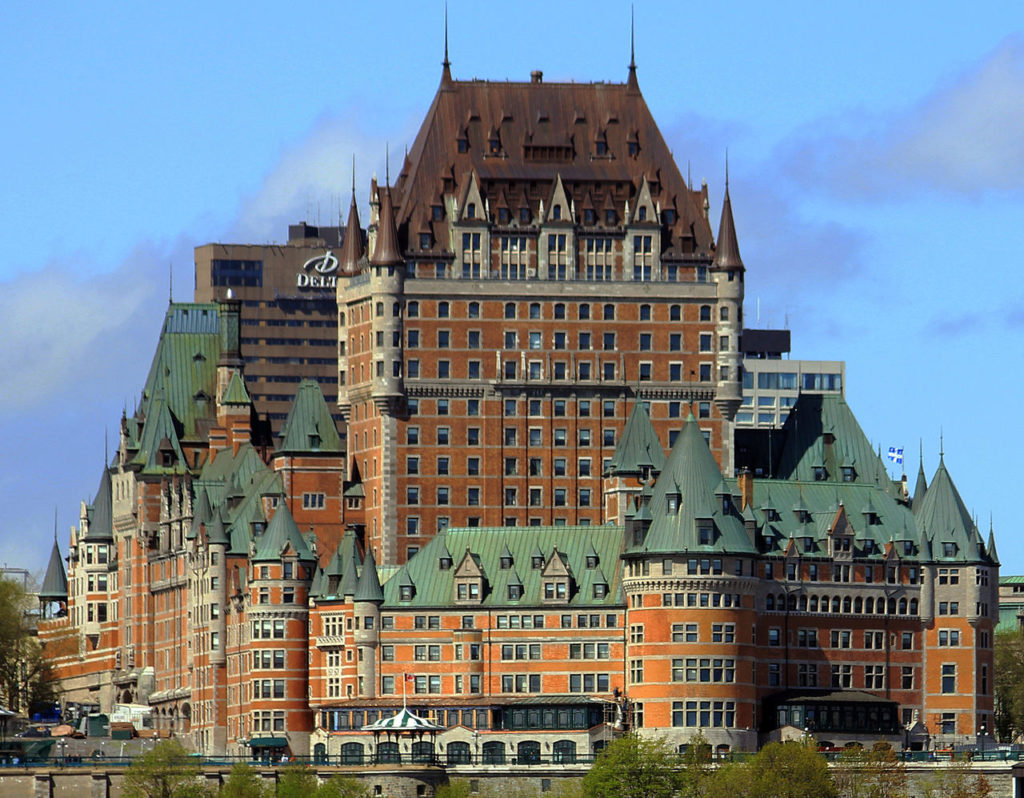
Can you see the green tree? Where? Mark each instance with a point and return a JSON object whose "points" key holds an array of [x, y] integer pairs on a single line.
{"points": [[455, 788], [1009, 685], [633, 767], [871, 773], [342, 787], [244, 782], [296, 781], [779, 770], [25, 675], [165, 771]]}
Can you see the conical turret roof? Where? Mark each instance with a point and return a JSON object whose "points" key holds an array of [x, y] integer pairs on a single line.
{"points": [[920, 488], [55, 583], [387, 251], [309, 427], [352, 249], [101, 522], [369, 588], [281, 532], [638, 448], [727, 250], [945, 516]]}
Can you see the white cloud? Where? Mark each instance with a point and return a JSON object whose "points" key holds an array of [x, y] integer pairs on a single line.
{"points": [[963, 138]]}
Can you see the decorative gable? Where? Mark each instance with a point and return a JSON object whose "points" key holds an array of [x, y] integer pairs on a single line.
{"points": [[469, 580]]}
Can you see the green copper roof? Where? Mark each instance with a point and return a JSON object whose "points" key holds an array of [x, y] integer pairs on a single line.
{"points": [[281, 533], [159, 437], [807, 448], [201, 513], [215, 531], [684, 495], [101, 519], [236, 393], [638, 449], [309, 426], [435, 587], [920, 488], [369, 588], [340, 577], [945, 517], [55, 583]]}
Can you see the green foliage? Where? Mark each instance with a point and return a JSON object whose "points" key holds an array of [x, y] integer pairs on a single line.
{"points": [[244, 782], [696, 769], [455, 788], [1009, 685], [166, 771], [779, 770], [300, 781], [633, 767], [955, 780], [871, 773], [24, 673]]}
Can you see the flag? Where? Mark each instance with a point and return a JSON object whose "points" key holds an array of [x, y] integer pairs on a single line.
{"points": [[896, 454], [409, 677]]}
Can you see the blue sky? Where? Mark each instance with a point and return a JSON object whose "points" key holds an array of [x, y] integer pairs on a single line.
{"points": [[876, 161]]}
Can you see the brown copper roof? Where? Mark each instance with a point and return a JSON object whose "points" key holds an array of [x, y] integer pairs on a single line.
{"points": [[386, 251], [727, 255], [581, 131], [352, 250]]}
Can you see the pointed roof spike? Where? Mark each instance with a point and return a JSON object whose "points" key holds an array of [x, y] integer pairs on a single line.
{"points": [[990, 549], [352, 248], [631, 81], [638, 447], [727, 249], [369, 588], [55, 583], [349, 583], [280, 532], [387, 251]]}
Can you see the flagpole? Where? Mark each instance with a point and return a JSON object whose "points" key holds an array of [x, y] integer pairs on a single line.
{"points": [[405, 678]]}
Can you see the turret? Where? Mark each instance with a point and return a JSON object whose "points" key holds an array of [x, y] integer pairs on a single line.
{"points": [[387, 273], [366, 607]]}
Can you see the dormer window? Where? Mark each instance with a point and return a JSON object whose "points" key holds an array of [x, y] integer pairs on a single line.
{"points": [[424, 240], [524, 215], [444, 562], [670, 217], [314, 441], [405, 593], [949, 549], [600, 590], [436, 212], [771, 514], [468, 591], [609, 217], [463, 145], [634, 149], [591, 561], [803, 516], [601, 148], [556, 212], [515, 592], [589, 217], [537, 561], [555, 591], [504, 216], [705, 532], [494, 145], [673, 503], [505, 563], [849, 474], [471, 210], [820, 474], [641, 213]]}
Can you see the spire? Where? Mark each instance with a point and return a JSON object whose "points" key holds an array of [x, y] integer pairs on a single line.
{"points": [[352, 248], [55, 583], [990, 549], [727, 251], [386, 252], [446, 66], [368, 588], [631, 81], [921, 486]]}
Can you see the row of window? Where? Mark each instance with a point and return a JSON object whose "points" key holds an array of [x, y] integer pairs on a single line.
{"points": [[534, 340], [858, 605], [559, 310], [842, 676], [560, 370]]}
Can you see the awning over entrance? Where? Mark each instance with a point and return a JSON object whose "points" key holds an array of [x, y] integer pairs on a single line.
{"points": [[268, 742]]}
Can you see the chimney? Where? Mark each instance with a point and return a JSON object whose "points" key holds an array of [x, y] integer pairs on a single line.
{"points": [[745, 481], [536, 76]]}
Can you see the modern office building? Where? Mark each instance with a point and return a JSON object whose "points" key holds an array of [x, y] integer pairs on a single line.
{"points": [[289, 312], [771, 384]]}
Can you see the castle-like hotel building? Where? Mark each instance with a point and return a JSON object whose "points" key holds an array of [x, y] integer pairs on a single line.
{"points": [[536, 535]]}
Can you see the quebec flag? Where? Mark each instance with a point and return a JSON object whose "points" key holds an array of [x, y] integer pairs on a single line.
{"points": [[896, 454]]}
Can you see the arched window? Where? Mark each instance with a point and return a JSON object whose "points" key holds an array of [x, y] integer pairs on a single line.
{"points": [[803, 603], [556, 212], [835, 604], [471, 210], [847, 604], [535, 310], [458, 753], [320, 754], [858, 605], [705, 312], [352, 753], [609, 312], [473, 310], [423, 751], [563, 751], [675, 313], [824, 603], [769, 602], [494, 753], [913, 606], [903, 606], [891, 608], [388, 753], [559, 310], [723, 313], [791, 603], [528, 752], [510, 310], [641, 213], [814, 604]]}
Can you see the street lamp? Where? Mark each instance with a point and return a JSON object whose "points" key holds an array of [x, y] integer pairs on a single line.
{"points": [[981, 736]]}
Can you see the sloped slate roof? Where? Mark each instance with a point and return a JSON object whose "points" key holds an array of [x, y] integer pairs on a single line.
{"points": [[236, 394], [638, 447], [436, 587], [309, 426]]}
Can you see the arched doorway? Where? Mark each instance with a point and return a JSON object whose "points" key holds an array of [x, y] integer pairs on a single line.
{"points": [[320, 754], [352, 754], [459, 753], [423, 751], [563, 751], [494, 753], [388, 753]]}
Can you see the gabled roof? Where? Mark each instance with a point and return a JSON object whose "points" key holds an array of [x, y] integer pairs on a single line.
{"points": [[55, 583], [236, 393], [159, 435], [281, 533], [309, 427], [638, 447]]}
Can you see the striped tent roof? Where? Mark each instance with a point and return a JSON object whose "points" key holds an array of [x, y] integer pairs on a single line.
{"points": [[403, 721]]}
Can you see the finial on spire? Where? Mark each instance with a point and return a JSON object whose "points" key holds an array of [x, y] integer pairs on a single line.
{"points": [[55, 523], [387, 163], [170, 283], [446, 63], [727, 169], [942, 443], [632, 41], [353, 174]]}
